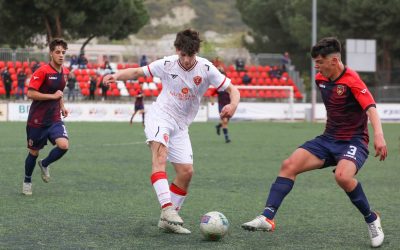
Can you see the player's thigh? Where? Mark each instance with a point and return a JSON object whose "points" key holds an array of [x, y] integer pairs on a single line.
{"points": [[158, 129], [36, 138], [180, 148], [301, 160], [58, 135], [355, 151]]}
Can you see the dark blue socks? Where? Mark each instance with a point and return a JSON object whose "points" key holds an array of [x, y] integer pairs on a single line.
{"points": [[225, 131], [358, 198], [30, 163], [277, 193], [55, 154]]}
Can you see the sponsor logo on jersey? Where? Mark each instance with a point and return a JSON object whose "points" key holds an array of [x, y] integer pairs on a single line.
{"points": [[185, 91], [322, 85], [35, 77], [53, 77], [65, 78], [197, 80], [30, 142], [364, 91], [174, 76], [340, 89]]}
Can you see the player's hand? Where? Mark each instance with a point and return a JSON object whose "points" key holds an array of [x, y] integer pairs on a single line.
{"points": [[59, 94], [380, 147], [64, 112], [108, 79], [227, 111]]}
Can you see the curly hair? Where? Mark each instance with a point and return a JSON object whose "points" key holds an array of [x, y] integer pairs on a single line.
{"points": [[58, 42], [188, 41]]}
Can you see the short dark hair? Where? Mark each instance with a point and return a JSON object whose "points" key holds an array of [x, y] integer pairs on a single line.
{"points": [[58, 42], [326, 46], [188, 41]]}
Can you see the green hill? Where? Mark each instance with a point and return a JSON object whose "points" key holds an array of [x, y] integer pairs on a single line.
{"points": [[169, 16]]}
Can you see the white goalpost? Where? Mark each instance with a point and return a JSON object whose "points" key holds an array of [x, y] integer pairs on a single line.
{"points": [[289, 98]]}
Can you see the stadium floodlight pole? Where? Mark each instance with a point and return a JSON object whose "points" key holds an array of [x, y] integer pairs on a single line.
{"points": [[313, 42]]}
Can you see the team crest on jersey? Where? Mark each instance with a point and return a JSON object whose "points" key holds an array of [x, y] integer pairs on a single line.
{"points": [[185, 91], [340, 89], [166, 138], [197, 80]]}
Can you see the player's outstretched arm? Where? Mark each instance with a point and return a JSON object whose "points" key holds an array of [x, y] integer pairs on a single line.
{"points": [[123, 75], [379, 140], [229, 110]]}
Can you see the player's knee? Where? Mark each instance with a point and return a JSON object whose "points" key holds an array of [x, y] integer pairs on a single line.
{"points": [[161, 160], [34, 152], [342, 179], [63, 146], [287, 168]]}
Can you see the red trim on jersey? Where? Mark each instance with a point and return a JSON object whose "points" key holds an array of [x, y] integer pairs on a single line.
{"points": [[222, 83], [179, 63], [177, 190], [149, 71], [158, 176]]}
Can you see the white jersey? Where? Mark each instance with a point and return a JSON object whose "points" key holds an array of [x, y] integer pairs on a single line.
{"points": [[183, 88]]}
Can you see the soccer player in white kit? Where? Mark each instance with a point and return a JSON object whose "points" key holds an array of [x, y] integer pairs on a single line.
{"points": [[185, 78]]}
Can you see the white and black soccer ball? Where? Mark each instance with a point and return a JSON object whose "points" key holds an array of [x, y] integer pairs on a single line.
{"points": [[214, 225]]}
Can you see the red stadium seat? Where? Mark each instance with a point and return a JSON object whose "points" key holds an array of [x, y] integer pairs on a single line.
{"points": [[85, 92], [149, 79], [132, 92], [147, 92], [120, 66], [155, 92], [10, 64], [136, 86], [298, 95], [116, 92]]}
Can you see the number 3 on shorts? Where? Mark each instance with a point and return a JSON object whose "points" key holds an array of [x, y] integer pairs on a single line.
{"points": [[352, 150]]}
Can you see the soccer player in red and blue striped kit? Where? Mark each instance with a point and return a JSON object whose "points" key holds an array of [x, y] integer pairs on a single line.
{"points": [[44, 121], [343, 144]]}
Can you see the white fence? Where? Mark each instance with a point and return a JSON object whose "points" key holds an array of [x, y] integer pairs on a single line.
{"points": [[246, 111]]}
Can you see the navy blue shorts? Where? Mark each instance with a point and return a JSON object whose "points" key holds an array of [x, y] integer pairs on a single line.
{"points": [[37, 137], [332, 150], [139, 107]]}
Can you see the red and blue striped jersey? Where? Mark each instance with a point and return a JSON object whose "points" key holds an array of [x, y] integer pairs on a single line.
{"points": [[46, 80], [346, 100]]}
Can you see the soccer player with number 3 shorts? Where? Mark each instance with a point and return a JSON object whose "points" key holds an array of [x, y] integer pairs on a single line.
{"points": [[44, 120], [344, 143], [185, 78]]}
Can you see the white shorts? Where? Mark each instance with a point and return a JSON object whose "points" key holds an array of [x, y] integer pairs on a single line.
{"points": [[162, 128]]}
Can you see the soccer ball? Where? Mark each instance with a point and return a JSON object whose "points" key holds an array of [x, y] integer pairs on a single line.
{"points": [[214, 225]]}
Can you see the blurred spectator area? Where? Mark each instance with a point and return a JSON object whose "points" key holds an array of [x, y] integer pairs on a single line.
{"points": [[151, 87]]}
